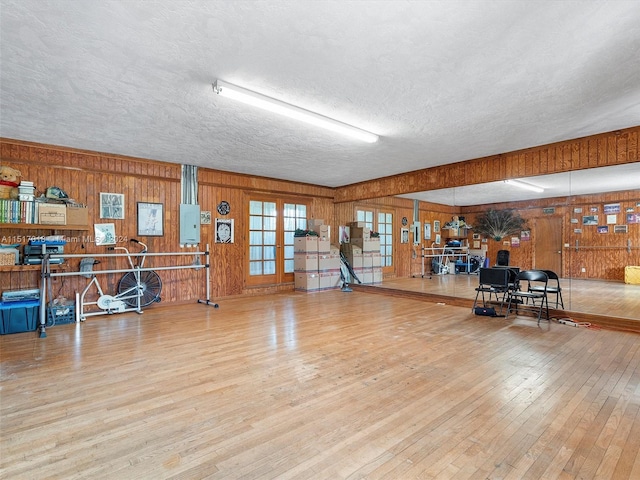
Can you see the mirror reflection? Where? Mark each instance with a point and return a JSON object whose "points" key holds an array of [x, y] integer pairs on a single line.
{"points": [[583, 225]]}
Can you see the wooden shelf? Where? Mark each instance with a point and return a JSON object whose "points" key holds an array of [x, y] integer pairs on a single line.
{"points": [[26, 268], [40, 226]]}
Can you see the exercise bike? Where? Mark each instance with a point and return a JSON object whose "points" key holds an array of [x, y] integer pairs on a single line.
{"points": [[137, 288]]}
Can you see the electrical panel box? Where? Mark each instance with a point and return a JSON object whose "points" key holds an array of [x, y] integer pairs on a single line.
{"points": [[189, 224]]}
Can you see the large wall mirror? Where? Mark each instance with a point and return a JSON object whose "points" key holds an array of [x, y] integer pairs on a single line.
{"points": [[595, 214]]}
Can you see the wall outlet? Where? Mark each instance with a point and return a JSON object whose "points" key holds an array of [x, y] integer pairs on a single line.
{"points": [[584, 270]]}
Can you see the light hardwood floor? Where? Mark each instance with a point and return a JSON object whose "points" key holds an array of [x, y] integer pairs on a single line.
{"points": [[329, 385]]}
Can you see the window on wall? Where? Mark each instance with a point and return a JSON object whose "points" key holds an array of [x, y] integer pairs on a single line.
{"points": [[365, 216]]}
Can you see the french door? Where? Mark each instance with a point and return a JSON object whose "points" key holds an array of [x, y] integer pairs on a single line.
{"points": [[272, 225], [380, 221]]}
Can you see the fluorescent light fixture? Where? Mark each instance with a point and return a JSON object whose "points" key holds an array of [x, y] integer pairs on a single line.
{"points": [[267, 103], [525, 185]]}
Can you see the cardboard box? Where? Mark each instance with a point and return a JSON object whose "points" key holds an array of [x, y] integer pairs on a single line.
{"points": [[360, 232], [77, 215], [357, 224], [323, 231], [366, 276], [367, 246], [52, 214], [307, 282], [307, 244], [377, 275], [350, 248], [326, 261], [359, 273], [314, 223], [324, 245], [367, 260], [354, 259], [334, 250], [329, 280], [305, 262], [376, 258]]}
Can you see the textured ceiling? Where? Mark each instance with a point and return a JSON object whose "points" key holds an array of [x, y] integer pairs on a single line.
{"points": [[440, 81]]}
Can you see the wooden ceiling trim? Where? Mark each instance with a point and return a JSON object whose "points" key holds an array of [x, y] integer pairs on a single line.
{"points": [[605, 149]]}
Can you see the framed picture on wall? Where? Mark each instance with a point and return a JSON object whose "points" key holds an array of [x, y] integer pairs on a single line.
{"points": [[150, 219], [205, 218], [427, 231], [224, 230], [105, 234], [404, 235], [436, 227], [112, 205]]}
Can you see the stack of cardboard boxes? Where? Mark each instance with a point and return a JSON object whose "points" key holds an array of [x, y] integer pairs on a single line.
{"points": [[363, 253], [316, 262]]}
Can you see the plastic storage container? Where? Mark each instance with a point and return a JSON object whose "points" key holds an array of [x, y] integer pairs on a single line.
{"points": [[61, 315], [18, 317]]}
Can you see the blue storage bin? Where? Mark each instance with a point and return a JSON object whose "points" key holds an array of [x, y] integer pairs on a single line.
{"points": [[17, 317]]}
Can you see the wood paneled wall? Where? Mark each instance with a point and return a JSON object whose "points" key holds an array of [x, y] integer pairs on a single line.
{"points": [[229, 262], [83, 175], [602, 255], [406, 255], [612, 148]]}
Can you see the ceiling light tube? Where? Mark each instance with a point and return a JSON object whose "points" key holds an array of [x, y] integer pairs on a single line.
{"points": [[251, 98], [525, 185]]}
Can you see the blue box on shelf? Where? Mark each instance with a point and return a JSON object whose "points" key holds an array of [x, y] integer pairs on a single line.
{"points": [[18, 317]]}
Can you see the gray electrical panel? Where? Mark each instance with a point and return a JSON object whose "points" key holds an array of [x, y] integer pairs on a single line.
{"points": [[189, 224]]}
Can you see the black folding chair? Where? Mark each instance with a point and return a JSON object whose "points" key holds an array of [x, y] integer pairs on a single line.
{"points": [[495, 283], [553, 287], [530, 286]]}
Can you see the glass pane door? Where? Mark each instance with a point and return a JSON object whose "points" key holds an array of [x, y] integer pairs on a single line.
{"points": [[295, 217], [384, 226], [262, 239], [272, 225], [385, 229]]}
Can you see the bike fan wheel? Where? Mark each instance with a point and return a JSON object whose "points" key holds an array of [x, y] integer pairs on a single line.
{"points": [[151, 288]]}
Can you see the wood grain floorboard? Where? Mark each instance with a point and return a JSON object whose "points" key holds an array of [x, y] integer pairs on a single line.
{"points": [[328, 385]]}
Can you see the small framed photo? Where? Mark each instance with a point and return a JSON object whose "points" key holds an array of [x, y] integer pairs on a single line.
{"points": [[404, 235], [427, 231], [224, 230], [620, 229], [611, 208], [105, 234], [438, 239], [112, 205], [150, 219], [205, 218], [436, 226]]}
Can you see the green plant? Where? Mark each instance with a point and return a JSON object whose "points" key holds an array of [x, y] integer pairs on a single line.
{"points": [[498, 224]]}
